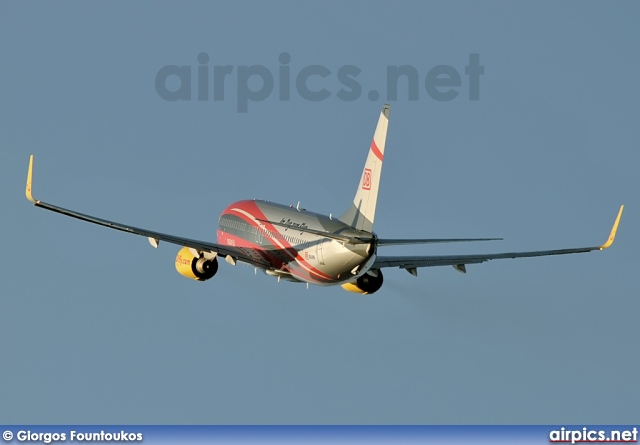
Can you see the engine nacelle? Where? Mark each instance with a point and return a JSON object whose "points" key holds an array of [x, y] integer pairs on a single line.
{"points": [[366, 284], [196, 268]]}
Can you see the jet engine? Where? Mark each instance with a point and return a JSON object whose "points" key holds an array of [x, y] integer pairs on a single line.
{"points": [[368, 283], [196, 268]]}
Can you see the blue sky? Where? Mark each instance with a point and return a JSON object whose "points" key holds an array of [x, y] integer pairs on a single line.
{"points": [[97, 327]]}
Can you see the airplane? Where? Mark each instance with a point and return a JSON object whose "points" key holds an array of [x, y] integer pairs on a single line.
{"points": [[297, 245]]}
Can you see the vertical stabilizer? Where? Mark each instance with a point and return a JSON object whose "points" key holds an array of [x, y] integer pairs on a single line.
{"points": [[363, 210]]}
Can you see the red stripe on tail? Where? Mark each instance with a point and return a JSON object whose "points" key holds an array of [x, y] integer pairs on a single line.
{"points": [[376, 151]]}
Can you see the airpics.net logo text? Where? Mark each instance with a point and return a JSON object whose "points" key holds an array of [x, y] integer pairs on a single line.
{"points": [[255, 83]]}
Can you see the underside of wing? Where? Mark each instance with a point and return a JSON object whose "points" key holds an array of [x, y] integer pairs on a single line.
{"points": [[406, 262], [207, 248], [411, 263]]}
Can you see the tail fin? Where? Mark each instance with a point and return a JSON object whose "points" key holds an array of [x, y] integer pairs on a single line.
{"points": [[363, 210]]}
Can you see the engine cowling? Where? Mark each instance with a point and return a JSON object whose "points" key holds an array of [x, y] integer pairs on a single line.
{"points": [[366, 284], [196, 268]]}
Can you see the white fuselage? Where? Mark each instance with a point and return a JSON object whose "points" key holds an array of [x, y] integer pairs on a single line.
{"points": [[296, 244]]}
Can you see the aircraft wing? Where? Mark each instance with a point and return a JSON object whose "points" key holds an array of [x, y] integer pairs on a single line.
{"points": [[236, 253], [411, 263]]}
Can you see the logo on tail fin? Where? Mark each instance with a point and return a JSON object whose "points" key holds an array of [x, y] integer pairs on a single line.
{"points": [[366, 179]]}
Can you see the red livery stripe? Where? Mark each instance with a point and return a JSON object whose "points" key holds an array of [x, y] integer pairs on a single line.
{"points": [[376, 151], [279, 242]]}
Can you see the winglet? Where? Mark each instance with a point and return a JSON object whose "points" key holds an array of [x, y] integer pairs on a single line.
{"points": [[29, 179], [613, 230]]}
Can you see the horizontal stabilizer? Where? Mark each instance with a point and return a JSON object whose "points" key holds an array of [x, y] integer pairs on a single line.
{"points": [[402, 242]]}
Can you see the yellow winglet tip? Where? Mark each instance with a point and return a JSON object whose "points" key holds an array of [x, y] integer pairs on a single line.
{"points": [[614, 229], [29, 181]]}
